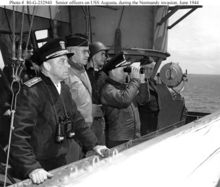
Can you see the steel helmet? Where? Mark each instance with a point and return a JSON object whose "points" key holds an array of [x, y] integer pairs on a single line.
{"points": [[95, 47]]}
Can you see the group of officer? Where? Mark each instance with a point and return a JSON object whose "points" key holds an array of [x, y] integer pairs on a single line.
{"points": [[78, 102]]}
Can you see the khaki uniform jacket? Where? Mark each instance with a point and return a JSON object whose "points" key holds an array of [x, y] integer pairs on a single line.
{"points": [[81, 91], [122, 117]]}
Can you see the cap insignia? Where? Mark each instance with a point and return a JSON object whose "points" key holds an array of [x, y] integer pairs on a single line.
{"points": [[62, 45]]}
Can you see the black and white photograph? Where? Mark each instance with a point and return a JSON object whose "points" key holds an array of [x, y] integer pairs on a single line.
{"points": [[109, 93]]}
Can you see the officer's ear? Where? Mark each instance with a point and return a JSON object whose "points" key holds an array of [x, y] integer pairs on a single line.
{"points": [[47, 66]]}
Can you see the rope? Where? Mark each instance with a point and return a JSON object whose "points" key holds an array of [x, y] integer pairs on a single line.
{"points": [[119, 23], [30, 25], [9, 26], [87, 24], [29, 33], [13, 36], [90, 26], [51, 22], [21, 37], [13, 99], [16, 72], [85, 15]]}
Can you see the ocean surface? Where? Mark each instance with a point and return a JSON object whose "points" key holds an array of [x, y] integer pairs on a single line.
{"points": [[202, 93]]}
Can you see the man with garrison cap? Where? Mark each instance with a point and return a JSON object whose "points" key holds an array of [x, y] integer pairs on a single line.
{"points": [[46, 119], [78, 80]]}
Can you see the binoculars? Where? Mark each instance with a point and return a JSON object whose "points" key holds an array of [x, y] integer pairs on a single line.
{"points": [[128, 70], [64, 129]]}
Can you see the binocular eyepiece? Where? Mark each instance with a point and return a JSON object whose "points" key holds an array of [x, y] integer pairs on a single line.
{"points": [[128, 70]]}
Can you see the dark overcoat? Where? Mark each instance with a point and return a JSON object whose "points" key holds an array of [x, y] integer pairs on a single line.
{"points": [[39, 107]]}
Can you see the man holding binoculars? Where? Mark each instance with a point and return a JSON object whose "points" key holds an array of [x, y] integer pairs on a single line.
{"points": [[117, 97]]}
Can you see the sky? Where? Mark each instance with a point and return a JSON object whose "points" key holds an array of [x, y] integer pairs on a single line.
{"points": [[194, 43]]}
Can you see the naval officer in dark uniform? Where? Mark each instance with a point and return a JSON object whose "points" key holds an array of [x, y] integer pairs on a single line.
{"points": [[46, 118]]}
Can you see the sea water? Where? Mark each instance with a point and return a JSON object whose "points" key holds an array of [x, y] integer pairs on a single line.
{"points": [[202, 93]]}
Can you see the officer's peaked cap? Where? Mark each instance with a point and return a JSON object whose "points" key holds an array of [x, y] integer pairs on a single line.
{"points": [[115, 62], [77, 40], [52, 49]]}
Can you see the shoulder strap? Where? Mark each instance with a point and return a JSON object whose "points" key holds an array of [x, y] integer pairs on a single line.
{"points": [[33, 81]]}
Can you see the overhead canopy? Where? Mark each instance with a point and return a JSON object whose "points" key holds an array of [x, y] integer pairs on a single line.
{"points": [[59, 13]]}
